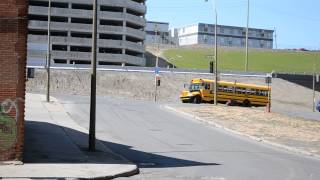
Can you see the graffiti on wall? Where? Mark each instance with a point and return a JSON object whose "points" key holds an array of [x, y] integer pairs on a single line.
{"points": [[8, 124]]}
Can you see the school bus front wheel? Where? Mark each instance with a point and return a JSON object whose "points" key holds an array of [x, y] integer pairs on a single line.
{"points": [[196, 99]]}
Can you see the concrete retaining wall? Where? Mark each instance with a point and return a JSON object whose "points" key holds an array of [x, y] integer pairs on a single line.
{"points": [[134, 85]]}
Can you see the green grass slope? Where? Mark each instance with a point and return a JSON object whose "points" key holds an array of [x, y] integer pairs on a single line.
{"points": [[234, 59]]}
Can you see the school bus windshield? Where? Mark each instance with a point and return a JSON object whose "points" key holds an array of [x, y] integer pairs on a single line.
{"points": [[195, 87]]}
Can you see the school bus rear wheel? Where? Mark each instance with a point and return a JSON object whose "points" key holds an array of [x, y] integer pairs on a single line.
{"points": [[246, 103]]}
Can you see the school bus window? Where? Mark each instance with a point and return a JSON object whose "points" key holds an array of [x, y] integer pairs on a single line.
{"points": [[207, 86], [258, 92], [265, 93], [230, 89], [253, 91], [250, 91], [241, 90], [224, 88]]}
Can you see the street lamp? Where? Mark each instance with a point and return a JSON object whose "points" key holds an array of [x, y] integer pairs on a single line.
{"points": [[48, 60], [247, 38], [215, 54]]}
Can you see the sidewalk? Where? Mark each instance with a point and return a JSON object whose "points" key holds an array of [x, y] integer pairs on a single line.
{"points": [[56, 147]]}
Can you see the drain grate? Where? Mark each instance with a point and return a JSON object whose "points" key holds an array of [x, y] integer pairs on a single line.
{"points": [[185, 144], [147, 164]]}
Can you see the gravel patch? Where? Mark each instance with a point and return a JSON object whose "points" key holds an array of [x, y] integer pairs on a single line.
{"points": [[298, 133]]}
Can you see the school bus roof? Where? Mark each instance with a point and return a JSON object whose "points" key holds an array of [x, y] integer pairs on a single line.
{"points": [[199, 80]]}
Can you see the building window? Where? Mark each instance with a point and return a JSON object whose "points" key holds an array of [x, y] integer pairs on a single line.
{"points": [[80, 62], [111, 9], [81, 20], [60, 61], [133, 53], [81, 35], [110, 50], [135, 13], [206, 28], [56, 47], [80, 49], [111, 23], [59, 33], [110, 36], [82, 6], [205, 39]]}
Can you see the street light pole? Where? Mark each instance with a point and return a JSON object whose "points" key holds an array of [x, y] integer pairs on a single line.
{"points": [[275, 37], [157, 41], [247, 38], [215, 56], [48, 52], [314, 85], [92, 128]]}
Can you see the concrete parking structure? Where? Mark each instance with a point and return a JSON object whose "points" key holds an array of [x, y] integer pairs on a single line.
{"points": [[121, 33]]}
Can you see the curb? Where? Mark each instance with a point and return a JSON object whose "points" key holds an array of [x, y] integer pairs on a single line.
{"points": [[129, 173], [125, 174], [288, 148]]}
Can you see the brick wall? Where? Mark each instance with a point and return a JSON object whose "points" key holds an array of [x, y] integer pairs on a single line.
{"points": [[13, 37]]}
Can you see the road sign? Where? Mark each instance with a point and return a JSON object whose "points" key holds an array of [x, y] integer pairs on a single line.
{"points": [[157, 70], [317, 78]]}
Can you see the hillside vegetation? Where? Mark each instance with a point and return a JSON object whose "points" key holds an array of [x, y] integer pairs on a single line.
{"points": [[234, 59]]}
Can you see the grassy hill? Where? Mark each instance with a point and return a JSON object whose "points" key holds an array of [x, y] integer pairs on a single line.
{"points": [[234, 59]]}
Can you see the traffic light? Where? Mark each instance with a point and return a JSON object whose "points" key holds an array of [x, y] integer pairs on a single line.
{"points": [[158, 80], [211, 66]]}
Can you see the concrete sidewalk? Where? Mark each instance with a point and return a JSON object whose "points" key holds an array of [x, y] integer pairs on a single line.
{"points": [[56, 147]]}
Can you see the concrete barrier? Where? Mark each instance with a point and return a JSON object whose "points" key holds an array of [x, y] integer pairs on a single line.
{"points": [[134, 85]]}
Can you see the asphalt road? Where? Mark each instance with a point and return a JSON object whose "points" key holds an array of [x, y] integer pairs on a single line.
{"points": [[166, 145]]}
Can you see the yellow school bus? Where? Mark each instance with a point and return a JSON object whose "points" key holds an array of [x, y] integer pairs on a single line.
{"points": [[232, 93]]}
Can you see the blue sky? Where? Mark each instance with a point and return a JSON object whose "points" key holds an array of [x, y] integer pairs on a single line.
{"points": [[297, 21]]}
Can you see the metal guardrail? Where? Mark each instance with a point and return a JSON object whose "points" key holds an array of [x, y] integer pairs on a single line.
{"points": [[152, 70]]}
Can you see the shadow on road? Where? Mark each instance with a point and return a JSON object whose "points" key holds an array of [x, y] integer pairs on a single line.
{"points": [[150, 160], [50, 143], [302, 80]]}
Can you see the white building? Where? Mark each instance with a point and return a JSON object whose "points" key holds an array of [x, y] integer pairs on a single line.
{"points": [[226, 36]]}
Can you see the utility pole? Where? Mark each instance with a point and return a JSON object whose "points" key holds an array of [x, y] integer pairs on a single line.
{"points": [[48, 52], [275, 37], [157, 61], [247, 38], [215, 56], [92, 128], [314, 85]]}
